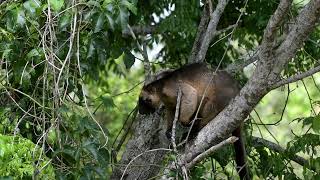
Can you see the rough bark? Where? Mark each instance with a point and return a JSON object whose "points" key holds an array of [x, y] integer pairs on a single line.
{"points": [[147, 135]]}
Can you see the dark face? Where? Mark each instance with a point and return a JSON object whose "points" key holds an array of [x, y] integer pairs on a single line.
{"points": [[145, 106], [149, 100]]}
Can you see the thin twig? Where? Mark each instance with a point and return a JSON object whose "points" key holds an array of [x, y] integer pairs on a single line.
{"points": [[296, 77], [176, 117], [144, 53], [83, 90], [211, 150], [258, 142]]}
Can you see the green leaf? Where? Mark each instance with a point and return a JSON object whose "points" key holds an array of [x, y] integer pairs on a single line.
{"points": [[107, 101], [120, 63], [6, 53], [129, 59], [94, 3], [99, 23], [130, 6], [316, 124], [123, 18], [32, 5], [33, 53], [11, 6], [64, 20], [103, 156], [91, 148], [110, 21], [67, 152], [106, 2], [21, 17], [56, 5]]}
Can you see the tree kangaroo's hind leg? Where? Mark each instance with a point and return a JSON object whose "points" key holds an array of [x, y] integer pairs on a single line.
{"points": [[189, 103], [187, 108]]}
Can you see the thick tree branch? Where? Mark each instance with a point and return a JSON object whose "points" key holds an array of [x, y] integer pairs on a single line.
{"points": [[296, 77], [264, 76], [306, 22], [200, 32], [143, 141], [275, 21], [209, 33]]}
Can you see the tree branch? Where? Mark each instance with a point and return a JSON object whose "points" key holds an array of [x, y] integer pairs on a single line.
{"points": [[203, 40], [139, 30], [296, 77], [143, 141], [211, 150], [200, 32], [274, 23], [260, 142], [243, 62], [146, 63], [305, 24], [264, 76]]}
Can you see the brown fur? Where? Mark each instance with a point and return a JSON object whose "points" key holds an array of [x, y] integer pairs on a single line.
{"points": [[193, 80]]}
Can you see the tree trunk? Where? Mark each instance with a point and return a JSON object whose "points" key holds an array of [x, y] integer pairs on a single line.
{"points": [[148, 135]]}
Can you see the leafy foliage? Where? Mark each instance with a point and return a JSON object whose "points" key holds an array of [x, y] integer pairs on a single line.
{"points": [[17, 157]]}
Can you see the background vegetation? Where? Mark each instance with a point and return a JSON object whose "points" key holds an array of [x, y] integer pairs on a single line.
{"points": [[70, 74]]}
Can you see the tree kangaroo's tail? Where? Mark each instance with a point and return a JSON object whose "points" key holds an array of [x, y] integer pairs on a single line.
{"points": [[240, 151]]}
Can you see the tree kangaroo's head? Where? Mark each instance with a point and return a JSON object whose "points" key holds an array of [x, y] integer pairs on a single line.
{"points": [[149, 99]]}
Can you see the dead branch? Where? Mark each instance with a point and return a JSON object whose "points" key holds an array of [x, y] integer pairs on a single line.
{"points": [[176, 117]]}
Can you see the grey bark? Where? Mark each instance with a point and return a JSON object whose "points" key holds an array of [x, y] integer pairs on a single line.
{"points": [[147, 135]]}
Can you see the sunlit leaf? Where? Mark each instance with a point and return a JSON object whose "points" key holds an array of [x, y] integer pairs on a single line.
{"points": [[130, 6], [316, 124], [33, 53], [31, 6], [56, 5], [21, 17]]}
